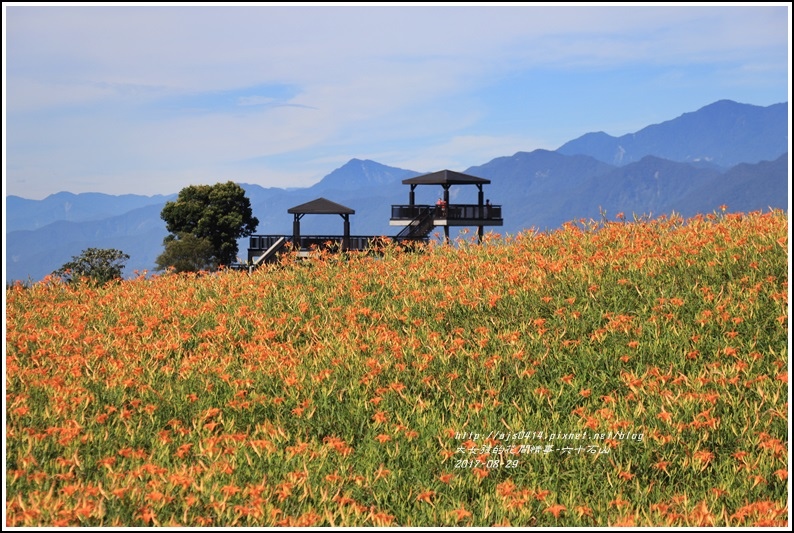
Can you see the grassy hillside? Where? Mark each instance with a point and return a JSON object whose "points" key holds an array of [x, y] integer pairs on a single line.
{"points": [[603, 374]]}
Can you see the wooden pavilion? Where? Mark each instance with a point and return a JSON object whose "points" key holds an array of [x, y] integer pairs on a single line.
{"points": [[320, 206], [419, 220]]}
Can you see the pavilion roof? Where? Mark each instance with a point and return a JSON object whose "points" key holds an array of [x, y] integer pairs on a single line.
{"points": [[446, 177], [321, 206]]}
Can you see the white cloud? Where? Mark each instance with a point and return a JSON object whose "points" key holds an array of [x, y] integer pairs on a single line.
{"points": [[363, 80], [217, 48]]}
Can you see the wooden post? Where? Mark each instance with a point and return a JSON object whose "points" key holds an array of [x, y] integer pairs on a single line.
{"points": [[296, 231], [346, 234], [480, 197]]}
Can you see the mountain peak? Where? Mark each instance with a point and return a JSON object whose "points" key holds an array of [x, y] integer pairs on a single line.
{"points": [[724, 103], [349, 176]]}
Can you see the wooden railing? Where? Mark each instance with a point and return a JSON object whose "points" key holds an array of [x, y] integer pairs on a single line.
{"points": [[322, 242], [450, 212]]}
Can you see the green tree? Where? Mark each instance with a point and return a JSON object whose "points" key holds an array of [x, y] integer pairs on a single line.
{"points": [[219, 214], [186, 253], [97, 265]]}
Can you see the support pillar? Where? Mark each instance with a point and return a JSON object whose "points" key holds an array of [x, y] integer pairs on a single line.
{"points": [[446, 216], [481, 208], [346, 234], [296, 232]]}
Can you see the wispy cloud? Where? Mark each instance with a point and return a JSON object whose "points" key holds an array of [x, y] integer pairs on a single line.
{"points": [[200, 90]]}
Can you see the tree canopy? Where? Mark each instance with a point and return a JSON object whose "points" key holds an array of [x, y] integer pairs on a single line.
{"points": [[216, 214], [97, 265], [186, 253]]}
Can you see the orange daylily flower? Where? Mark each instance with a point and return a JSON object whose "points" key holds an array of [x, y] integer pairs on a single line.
{"points": [[425, 496], [446, 478], [382, 472], [480, 472], [460, 514], [627, 476], [583, 510], [555, 510]]}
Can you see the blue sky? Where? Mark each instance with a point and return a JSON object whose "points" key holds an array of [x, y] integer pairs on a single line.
{"points": [[148, 99]]}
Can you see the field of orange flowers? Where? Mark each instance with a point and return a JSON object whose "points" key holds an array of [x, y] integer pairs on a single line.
{"points": [[609, 373]]}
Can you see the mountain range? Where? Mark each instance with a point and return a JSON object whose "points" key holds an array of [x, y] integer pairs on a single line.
{"points": [[726, 153], [724, 134]]}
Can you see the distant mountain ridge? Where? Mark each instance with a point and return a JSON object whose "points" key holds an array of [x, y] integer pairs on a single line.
{"points": [[22, 214], [724, 133], [541, 189], [547, 189]]}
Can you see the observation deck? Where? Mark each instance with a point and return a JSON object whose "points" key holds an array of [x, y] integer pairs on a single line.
{"points": [[419, 220]]}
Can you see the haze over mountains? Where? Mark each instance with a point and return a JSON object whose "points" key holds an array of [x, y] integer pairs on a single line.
{"points": [[724, 153]]}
